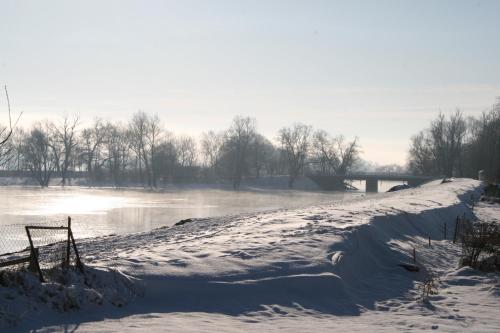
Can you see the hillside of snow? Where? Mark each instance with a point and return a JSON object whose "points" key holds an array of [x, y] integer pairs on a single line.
{"points": [[311, 269]]}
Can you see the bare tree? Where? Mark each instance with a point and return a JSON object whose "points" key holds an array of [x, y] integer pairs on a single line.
{"points": [[66, 137], [482, 149], [324, 153], [261, 152], [153, 136], [347, 154], [212, 145], [6, 132], [237, 142], [421, 159], [145, 133], [54, 143], [167, 158], [7, 149], [438, 150], [117, 150], [447, 138], [92, 139], [39, 156], [187, 151], [295, 143], [137, 129]]}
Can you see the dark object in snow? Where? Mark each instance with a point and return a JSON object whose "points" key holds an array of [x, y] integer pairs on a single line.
{"points": [[181, 222], [492, 190], [399, 187], [491, 193], [446, 180], [351, 187], [409, 267]]}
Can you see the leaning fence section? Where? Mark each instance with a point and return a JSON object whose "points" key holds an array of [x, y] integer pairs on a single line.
{"points": [[44, 246]]}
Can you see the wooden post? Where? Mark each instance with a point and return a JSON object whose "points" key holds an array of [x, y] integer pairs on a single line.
{"points": [[456, 229], [16, 262], [68, 245], [34, 255], [429, 240]]}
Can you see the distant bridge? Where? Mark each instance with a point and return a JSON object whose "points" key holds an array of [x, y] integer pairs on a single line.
{"points": [[336, 182]]}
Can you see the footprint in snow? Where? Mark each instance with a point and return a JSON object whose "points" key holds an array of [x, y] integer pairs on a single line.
{"points": [[314, 218], [240, 254], [177, 262]]}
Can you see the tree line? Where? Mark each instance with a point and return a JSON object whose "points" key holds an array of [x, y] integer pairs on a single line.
{"points": [[143, 152], [458, 146]]}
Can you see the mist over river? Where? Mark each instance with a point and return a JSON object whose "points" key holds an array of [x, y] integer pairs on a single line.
{"points": [[97, 212]]}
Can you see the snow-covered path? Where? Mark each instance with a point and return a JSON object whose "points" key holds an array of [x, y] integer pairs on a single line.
{"points": [[311, 269]]}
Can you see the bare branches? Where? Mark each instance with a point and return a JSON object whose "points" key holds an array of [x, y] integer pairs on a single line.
{"points": [[11, 128], [334, 154], [212, 148], [438, 150], [295, 141], [237, 142]]}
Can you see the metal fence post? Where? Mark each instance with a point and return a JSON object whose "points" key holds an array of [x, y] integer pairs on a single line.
{"points": [[68, 244], [78, 261], [34, 255]]}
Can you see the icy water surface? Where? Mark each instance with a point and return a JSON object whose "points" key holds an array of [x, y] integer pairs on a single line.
{"points": [[97, 212]]}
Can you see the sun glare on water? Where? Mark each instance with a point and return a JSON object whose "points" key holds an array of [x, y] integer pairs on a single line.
{"points": [[78, 204]]}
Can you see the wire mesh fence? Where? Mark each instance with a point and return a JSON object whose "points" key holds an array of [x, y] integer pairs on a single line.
{"points": [[13, 239], [51, 245], [13, 236], [43, 245]]}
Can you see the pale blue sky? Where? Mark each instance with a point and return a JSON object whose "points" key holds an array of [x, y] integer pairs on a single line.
{"points": [[376, 69]]}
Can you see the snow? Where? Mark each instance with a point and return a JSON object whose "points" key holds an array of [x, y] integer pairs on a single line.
{"points": [[316, 268]]}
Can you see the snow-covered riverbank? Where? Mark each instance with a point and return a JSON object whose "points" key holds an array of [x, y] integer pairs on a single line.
{"points": [[311, 269]]}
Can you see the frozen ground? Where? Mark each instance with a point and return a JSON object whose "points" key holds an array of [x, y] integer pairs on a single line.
{"points": [[312, 269]]}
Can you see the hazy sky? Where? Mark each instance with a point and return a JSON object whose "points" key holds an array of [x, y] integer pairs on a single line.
{"points": [[376, 69]]}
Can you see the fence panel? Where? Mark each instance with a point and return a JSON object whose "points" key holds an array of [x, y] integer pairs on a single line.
{"points": [[44, 245]]}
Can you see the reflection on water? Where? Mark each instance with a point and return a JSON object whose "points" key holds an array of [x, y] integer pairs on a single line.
{"points": [[104, 211]]}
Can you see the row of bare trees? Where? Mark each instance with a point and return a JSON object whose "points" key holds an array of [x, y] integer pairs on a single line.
{"points": [[143, 152], [241, 151], [458, 146]]}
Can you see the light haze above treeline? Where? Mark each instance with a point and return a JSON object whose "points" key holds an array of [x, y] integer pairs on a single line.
{"points": [[143, 152]]}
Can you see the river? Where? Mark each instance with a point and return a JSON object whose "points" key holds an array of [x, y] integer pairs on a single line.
{"points": [[99, 211]]}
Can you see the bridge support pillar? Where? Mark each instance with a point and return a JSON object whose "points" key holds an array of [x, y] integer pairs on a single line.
{"points": [[372, 185]]}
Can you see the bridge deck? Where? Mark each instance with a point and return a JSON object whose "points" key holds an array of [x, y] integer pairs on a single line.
{"points": [[336, 182], [368, 176]]}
